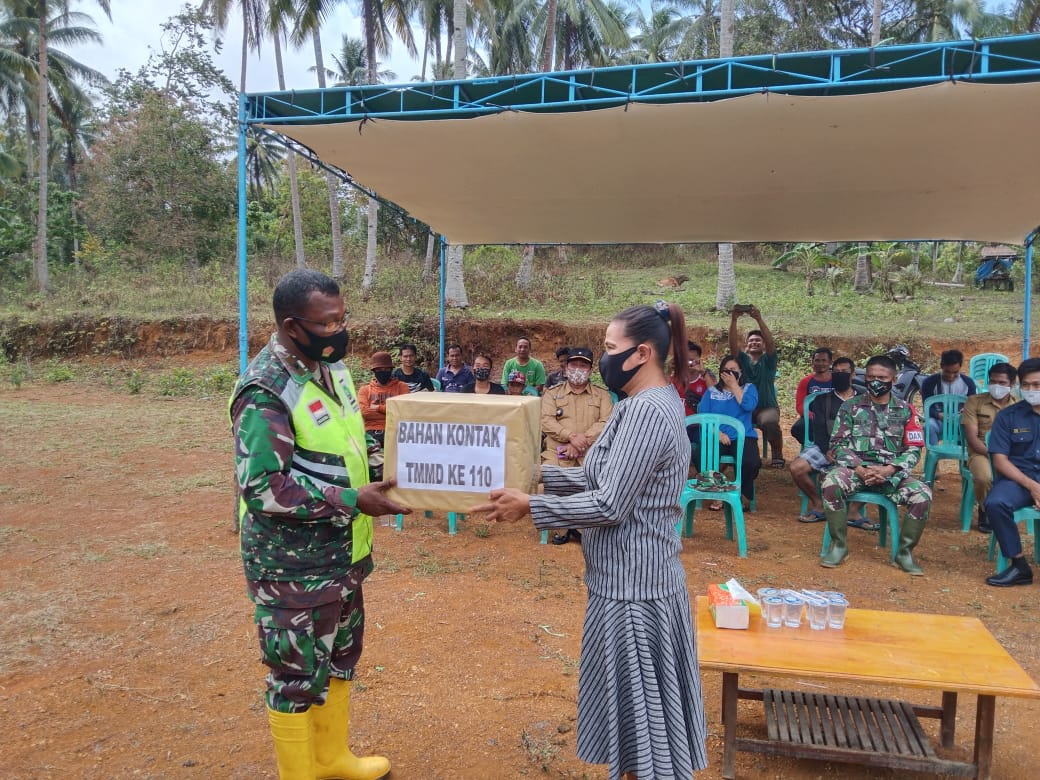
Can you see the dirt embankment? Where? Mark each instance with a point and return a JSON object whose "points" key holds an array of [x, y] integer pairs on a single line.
{"points": [[205, 339]]}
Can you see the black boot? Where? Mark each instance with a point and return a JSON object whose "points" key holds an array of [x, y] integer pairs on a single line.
{"points": [[569, 535], [1018, 573], [984, 526]]}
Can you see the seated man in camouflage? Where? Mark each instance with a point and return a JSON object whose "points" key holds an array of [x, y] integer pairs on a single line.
{"points": [[877, 440]]}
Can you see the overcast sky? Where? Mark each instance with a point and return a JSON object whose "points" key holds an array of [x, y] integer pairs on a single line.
{"points": [[134, 31]]}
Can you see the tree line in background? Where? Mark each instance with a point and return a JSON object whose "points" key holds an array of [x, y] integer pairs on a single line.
{"points": [[98, 174]]}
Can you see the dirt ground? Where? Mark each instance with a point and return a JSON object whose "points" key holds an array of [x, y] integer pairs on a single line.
{"points": [[130, 652]]}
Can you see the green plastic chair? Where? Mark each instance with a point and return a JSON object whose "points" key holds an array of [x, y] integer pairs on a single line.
{"points": [[436, 384], [1030, 518], [967, 487], [453, 518], [889, 517], [808, 442], [979, 365], [711, 460], [951, 446]]}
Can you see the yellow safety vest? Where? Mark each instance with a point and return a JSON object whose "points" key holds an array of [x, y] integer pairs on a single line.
{"points": [[325, 427]]}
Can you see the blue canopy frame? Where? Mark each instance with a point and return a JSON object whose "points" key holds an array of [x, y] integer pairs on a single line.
{"points": [[1014, 59]]}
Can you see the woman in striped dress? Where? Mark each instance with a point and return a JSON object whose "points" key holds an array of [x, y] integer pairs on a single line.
{"points": [[640, 708]]}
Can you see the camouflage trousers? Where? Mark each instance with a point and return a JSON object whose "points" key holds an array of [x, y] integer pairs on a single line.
{"points": [[304, 643], [841, 482]]}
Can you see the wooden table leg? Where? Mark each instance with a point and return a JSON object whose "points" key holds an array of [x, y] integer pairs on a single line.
{"points": [[949, 718], [984, 721], [729, 721]]}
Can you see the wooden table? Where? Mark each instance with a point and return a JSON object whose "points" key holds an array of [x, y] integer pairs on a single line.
{"points": [[933, 652]]}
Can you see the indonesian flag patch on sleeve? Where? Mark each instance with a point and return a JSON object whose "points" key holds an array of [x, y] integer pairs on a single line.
{"points": [[913, 435], [318, 412]]}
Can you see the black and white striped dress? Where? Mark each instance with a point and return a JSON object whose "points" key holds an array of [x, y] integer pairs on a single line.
{"points": [[640, 707]]}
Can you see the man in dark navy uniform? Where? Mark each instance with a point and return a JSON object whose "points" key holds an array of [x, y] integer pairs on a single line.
{"points": [[1014, 444]]}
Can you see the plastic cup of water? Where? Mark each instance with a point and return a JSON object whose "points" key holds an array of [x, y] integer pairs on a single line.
{"points": [[763, 594], [792, 611], [817, 609], [773, 609], [837, 606]]}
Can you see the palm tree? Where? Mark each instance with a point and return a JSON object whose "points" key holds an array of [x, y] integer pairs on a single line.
{"points": [[455, 283], [579, 32], [1026, 16], [352, 65], [659, 34], [379, 16], [263, 160], [278, 16], [253, 12], [726, 289], [41, 10]]}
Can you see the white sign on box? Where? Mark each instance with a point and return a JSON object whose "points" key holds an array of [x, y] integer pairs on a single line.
{"points": [[451, 456], [447, 451]]}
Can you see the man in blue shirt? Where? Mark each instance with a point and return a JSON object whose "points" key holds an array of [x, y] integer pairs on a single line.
{"points": [[948, 381], [457, 374], [1014, 444]]}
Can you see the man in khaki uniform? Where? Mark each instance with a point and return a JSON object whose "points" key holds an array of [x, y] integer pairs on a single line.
{"points": [[977, 419], [573, 415]]}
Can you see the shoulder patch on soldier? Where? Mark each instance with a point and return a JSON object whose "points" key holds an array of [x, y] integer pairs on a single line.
{"points": [[318, 412]]}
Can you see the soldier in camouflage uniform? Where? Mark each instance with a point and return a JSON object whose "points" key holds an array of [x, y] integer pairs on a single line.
{"points": [[306, 527], [877, 441]]}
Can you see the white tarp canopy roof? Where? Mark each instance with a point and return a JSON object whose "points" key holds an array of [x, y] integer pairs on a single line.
{"points": [[951, 160]]}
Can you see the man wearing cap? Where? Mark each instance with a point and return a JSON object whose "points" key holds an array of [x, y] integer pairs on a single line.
{"points": [[374, 395], [573, 415], [516, 384]]}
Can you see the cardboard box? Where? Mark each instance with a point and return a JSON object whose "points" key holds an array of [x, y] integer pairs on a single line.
{"points": [[728, 610], [449, 450]]}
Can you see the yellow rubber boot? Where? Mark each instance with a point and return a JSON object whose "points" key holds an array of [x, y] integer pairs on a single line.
{"points": [[330, 725], [292, 744]]}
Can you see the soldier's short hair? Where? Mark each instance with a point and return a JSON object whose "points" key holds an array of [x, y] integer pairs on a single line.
{"points": [[845, 361], [884, 361], [951, 357], [294, 290]]}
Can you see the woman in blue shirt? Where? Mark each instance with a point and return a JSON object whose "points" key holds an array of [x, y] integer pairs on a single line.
{"points": [[733, 396]]}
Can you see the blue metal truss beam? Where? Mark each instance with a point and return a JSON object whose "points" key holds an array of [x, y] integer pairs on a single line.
{"points": [[1010, 59]]}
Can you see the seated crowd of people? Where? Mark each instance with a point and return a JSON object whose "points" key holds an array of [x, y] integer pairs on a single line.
{"points": [[857, 436]]}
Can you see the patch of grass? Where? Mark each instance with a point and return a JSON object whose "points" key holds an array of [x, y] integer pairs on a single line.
{"points": [[197, 481], [147, 550], [57, 371], [482, 531], [425, 564], [540, 750]]}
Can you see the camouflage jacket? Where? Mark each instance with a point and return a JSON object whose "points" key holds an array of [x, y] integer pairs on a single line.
{"points": [[871, 434], [292, 530]]}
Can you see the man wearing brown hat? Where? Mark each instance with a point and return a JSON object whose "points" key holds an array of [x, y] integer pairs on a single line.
{"points": [[373, 396]]}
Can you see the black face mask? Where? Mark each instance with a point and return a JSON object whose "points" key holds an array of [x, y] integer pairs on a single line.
{"points": [[483, 374], [614, 376], [383, 375], [841, 381], [878, 388], [326, 349]]}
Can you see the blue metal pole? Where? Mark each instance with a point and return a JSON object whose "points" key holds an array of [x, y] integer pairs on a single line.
{"points": [[1029, 294], [440, 360], [243, 318]]}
